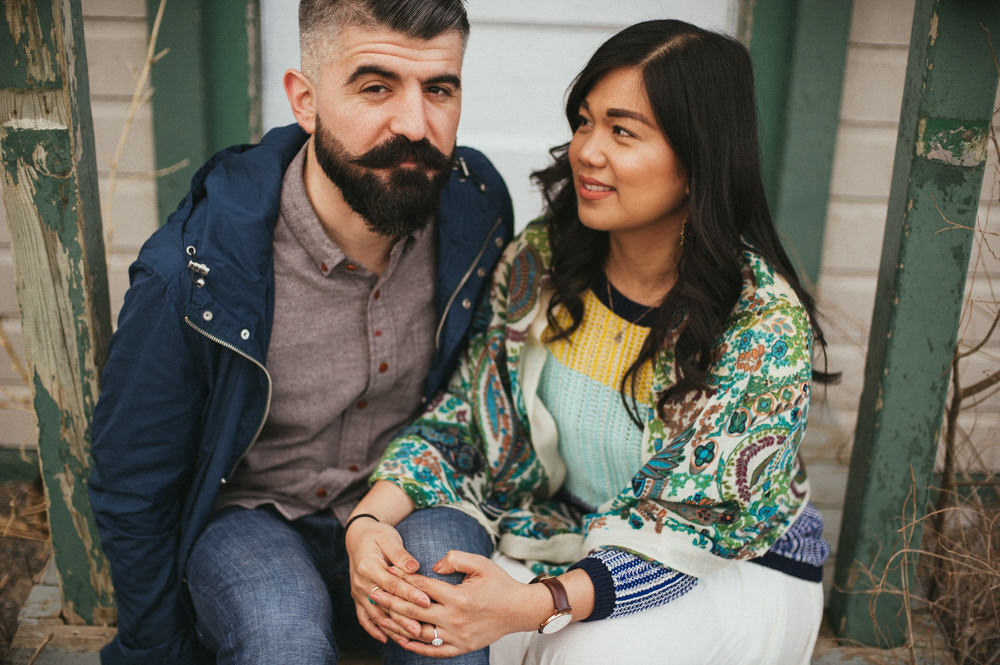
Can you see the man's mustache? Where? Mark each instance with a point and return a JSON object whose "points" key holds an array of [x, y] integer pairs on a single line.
{"points": [[400, 149]]}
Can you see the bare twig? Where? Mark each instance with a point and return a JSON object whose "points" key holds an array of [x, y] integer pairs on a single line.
{"points": [[140, 95], [15, 361], [41, 646]]}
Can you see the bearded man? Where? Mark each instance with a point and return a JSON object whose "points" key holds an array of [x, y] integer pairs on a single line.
{"points": [[306, 298]]}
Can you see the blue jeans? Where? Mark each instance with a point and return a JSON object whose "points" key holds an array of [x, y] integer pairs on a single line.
{"points": [[266, 590]]}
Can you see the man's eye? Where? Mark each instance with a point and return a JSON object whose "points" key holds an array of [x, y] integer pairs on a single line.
{"points": [[439, 91], [375, 89]]}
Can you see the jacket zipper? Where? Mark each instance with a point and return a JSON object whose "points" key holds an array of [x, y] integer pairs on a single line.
{"points": [[465, 278], [267, 406]]}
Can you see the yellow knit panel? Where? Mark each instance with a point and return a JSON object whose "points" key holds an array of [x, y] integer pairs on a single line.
{"points": [[597, 350]]}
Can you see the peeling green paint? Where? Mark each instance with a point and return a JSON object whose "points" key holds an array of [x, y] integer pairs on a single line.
{"points": [[50, 191], [953, 142], [951, 84], [28, 45], [78, 558]]}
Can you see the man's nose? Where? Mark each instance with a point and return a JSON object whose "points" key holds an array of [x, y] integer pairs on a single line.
{"points": [[410, 116]]}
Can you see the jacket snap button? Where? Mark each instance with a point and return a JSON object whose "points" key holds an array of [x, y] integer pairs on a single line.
{"points": [[244, 334], [222, 481], [466, 303], [499, 241], [481, 272], [207, 315]]}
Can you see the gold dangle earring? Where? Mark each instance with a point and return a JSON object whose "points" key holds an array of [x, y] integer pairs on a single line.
{"points": [[684, 225]]}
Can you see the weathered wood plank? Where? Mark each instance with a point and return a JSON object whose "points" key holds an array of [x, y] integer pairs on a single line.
{"points": [[51, 199], [941, 150]]}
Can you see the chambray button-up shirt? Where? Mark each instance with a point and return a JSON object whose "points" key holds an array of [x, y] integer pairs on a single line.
{"points": [[348, 356]]}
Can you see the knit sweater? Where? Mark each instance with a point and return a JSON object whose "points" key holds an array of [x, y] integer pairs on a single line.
{"points": [[718, 476]]}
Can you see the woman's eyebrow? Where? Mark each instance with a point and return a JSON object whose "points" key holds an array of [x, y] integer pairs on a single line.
{"points": [[620, 113]]}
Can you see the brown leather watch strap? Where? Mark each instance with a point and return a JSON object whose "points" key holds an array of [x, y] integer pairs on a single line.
{"points": [[559, 596]]}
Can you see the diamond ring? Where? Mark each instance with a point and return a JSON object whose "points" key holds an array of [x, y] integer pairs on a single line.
{"points": [[437, 641]]}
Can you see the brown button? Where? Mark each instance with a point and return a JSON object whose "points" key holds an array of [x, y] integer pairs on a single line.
{"points": [[383, 367], [354, 467], [378, 333], [351, 266], [324, 267], [362, 404], [377, 295], [321, 492]]}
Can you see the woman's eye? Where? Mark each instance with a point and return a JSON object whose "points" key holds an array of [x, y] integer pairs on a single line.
{"points": [[581, 122], [621, 131]]}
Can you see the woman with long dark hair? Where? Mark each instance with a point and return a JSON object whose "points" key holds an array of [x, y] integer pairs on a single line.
{"points": [[629, 417]]}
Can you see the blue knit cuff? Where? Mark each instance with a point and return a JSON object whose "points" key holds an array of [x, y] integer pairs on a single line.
{"points": [[604, 586]]}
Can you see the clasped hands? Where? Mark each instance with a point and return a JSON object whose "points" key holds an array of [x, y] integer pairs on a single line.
{"points": [[393, 601]]}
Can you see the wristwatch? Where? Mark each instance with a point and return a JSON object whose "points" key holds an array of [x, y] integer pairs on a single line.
{"points": [[563, 614]]}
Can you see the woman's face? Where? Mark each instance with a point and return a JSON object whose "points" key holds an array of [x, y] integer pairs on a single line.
{"points": [[626, 175]]}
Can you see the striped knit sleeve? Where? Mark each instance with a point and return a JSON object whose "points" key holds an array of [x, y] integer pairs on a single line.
{"points": [[625, 583]]}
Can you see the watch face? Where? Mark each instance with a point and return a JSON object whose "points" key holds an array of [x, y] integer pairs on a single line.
{"points": [[557, 623]]}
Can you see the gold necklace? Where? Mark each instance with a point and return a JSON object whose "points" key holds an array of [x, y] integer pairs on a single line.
{"points": [[621, 326]]}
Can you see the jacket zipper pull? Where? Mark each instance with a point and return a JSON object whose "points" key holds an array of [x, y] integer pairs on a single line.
{"points": [[198, 270], [465, 173]]}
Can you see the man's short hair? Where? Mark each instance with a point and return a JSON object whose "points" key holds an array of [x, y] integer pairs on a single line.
{"points": [[321, 21]]}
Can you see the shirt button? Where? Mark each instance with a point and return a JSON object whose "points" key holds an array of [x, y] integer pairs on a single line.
{"points": [[481, 272], [321, 492], [354, 467], [383, 367], [325, 268], [466, 303], [207, 315], [378, 333], [377, 295], [363, 404], [244, 334], [351, 267]]}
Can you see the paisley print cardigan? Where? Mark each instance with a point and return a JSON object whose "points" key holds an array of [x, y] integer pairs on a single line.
{"points": [[720, 478]]}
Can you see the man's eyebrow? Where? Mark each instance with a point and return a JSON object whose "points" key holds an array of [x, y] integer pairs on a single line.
{"points": [[364, 70], [449, 79]]}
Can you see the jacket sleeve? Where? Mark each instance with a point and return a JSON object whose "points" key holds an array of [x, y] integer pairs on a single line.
{"points": [[145, 440], [724, 480]]}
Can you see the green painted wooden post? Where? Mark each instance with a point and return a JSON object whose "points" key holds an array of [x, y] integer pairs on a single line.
{"points": [[206, 88], [768, 30], [940, 159], [811, 119], [799, 48], [51, 197]]}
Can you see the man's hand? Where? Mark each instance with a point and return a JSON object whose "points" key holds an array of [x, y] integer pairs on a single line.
{"points": [[375, 549]]}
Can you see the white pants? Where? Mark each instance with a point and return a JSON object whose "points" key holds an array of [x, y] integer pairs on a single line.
{"points": [[743, 614]]}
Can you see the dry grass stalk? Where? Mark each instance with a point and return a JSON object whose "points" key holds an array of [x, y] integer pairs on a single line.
{"points": [[27, 522], [140, 95]]}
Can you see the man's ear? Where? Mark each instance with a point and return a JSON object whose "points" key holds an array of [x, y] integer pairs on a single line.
{"points": [[302, 99]]}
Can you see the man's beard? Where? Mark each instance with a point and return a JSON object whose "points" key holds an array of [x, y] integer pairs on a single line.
{"points": [[394, 204]]}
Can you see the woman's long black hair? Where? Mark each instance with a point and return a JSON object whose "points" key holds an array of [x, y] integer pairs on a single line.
{"points": [[700, 86]]}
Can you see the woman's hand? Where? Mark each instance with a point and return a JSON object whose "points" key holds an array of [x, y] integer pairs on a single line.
{"points": [[487, 605]]}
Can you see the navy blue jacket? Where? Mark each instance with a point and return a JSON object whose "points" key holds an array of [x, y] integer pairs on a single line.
{"points": [[186, 390]]}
